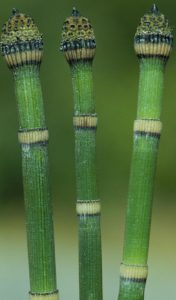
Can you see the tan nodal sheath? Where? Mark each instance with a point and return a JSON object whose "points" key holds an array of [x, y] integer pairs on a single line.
{"points": [[154, 49], [148, 126], [133, 272], [33, 136], [79, 54], [53, 296], [22, 58], [88, 207], [89, 121]]}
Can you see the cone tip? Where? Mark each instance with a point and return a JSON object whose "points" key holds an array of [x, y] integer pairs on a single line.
{"points": [[14, 11], [154, 9], [75, 12]]}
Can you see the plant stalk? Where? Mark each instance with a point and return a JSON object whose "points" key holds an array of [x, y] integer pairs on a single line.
{"points": [[22, 47], [79, 53], [153, 50]]}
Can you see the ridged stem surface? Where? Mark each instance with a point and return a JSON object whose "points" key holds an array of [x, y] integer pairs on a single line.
{"points": [[150, 88], [141, 185], [36, 182], [90, 269]]}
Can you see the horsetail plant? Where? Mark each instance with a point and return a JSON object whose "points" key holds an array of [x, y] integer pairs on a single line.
{"points": [[21, 45], [152, 43], [78, 45]]}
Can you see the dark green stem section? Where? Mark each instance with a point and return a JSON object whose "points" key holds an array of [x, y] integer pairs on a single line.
{"points": [[140, 200], [150, 88], [36, 183], [141, 185], [85, 164], [83, 88], [90, 261], [29, 97], [131, 290]]}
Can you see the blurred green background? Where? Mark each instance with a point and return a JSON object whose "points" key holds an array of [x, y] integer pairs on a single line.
{"points": [[115, 83]]}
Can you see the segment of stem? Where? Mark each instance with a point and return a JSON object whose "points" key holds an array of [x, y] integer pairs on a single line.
{"points": [[88, 205], [141, 186], [33, 137]]}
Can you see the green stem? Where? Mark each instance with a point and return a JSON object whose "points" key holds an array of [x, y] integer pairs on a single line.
{"points": [[150, 89], [78, 44], [144, 157], [83, 88], [142, 175], [153, 50], [85, 138], [21, 45], [28, 87], [35, 182], [89, 223]]}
